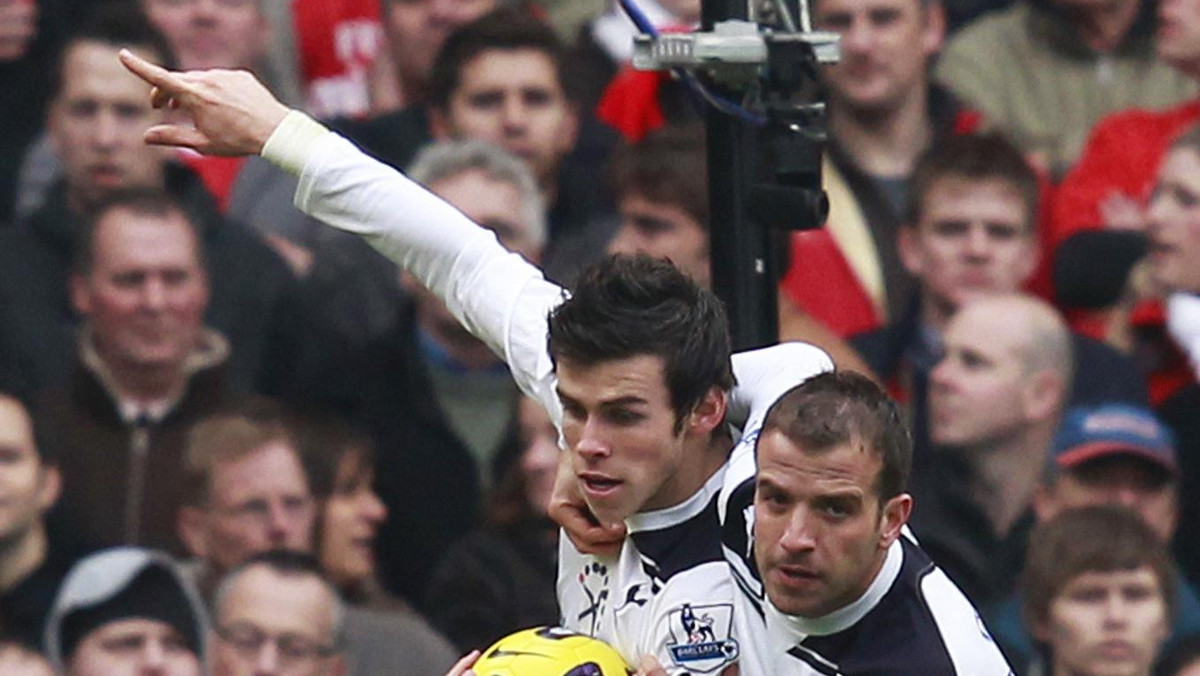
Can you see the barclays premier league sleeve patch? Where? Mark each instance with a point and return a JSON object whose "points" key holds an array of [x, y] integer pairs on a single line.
{"points": [[700, 637]]}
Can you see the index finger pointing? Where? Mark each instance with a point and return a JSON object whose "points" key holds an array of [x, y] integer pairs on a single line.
{"points": [[153, 74]]}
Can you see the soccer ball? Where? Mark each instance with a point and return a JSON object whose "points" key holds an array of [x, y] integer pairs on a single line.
{"points": [[549, 651]]}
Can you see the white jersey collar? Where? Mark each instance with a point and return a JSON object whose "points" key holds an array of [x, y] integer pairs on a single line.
{"points": [[670, 516], [785, 631]]}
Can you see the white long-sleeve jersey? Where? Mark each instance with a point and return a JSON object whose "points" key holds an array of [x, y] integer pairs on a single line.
{"points": [[669, 593]]}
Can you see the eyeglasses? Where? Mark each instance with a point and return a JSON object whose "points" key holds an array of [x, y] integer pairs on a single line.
{"points": [[249, 642], [258, 511]]}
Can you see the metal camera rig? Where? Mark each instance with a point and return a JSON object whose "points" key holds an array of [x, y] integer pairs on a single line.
{"points": [[757, 68]]}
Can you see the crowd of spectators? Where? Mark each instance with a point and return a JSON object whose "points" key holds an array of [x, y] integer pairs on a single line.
{"points": [[218, 415]]}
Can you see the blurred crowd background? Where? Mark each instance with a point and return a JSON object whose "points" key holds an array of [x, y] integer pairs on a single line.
{"points": [[273, 423]]}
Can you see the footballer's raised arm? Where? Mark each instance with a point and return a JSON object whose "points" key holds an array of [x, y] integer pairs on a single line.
{"points": [[498, 296]]}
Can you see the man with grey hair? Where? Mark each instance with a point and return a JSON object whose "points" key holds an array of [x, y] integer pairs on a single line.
{"points": [[995, 401], [276, 614]]}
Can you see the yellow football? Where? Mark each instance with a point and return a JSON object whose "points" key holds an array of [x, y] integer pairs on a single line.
{"points": [[550, 651]]}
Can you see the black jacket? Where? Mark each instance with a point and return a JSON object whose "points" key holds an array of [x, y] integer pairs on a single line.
{"points": [[254, 301]]}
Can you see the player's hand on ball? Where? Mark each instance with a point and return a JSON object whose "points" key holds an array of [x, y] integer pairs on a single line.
{"points": [[568, 510], [463, 666], [233, 113]]}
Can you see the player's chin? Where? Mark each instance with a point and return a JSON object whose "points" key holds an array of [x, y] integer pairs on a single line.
{"points": [[611, 508], [794, 593]]}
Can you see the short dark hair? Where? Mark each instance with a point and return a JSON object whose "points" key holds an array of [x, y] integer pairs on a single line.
{"points": [[844, 407], [1101, 539], [139, 201], [506, 28], [975, 157], [120, 24], [631, 305], [668, 166]]}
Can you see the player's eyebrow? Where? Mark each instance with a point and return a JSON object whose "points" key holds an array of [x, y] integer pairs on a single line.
{"points": [[629, 400]]}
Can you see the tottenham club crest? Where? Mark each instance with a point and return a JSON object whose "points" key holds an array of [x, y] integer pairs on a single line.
{"points": [[700, 640]]}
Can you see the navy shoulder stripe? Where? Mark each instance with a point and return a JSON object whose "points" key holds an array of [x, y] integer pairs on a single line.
{"points": [[684, 545], [898, 636]]}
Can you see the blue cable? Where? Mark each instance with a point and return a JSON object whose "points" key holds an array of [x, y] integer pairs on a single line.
{"points": [[694, 85]]}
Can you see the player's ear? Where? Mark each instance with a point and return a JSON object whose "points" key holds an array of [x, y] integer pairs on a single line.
{"points": [[709, 413], [892, 518]]}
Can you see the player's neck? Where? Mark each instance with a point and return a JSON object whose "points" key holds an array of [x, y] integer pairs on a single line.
{"points": [[711, 454]]}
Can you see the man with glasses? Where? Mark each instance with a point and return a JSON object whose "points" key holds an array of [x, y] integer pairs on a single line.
{"points": [[277, 615], [247, 493]]}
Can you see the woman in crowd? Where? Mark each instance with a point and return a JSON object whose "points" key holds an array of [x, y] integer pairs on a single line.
{"points": [[501, 578]]}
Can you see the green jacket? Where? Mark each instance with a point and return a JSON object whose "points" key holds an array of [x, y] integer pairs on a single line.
{"points": [[1031, 75]]}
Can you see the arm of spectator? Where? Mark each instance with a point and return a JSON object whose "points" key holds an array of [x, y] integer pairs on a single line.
{"points": [[1119, 211], [569, 511], [1114, 171]]}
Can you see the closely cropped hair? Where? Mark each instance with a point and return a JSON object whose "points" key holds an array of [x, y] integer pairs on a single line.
{"points": [[446, 159], [1100, 539], [286, 563], [626, 306], [226, 436], [844, 407], [506, 28], [668, 166], [119, 24], [146, 202], [975, 157]]}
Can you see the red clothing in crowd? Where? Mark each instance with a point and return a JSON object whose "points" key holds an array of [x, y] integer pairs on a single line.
{"points": [[337, 41], [217, 173], [1121, 157]]}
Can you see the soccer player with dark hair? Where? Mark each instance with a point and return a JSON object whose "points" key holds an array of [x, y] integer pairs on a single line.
{"points": [[831, 582], [646, 440], [636, 376]]}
